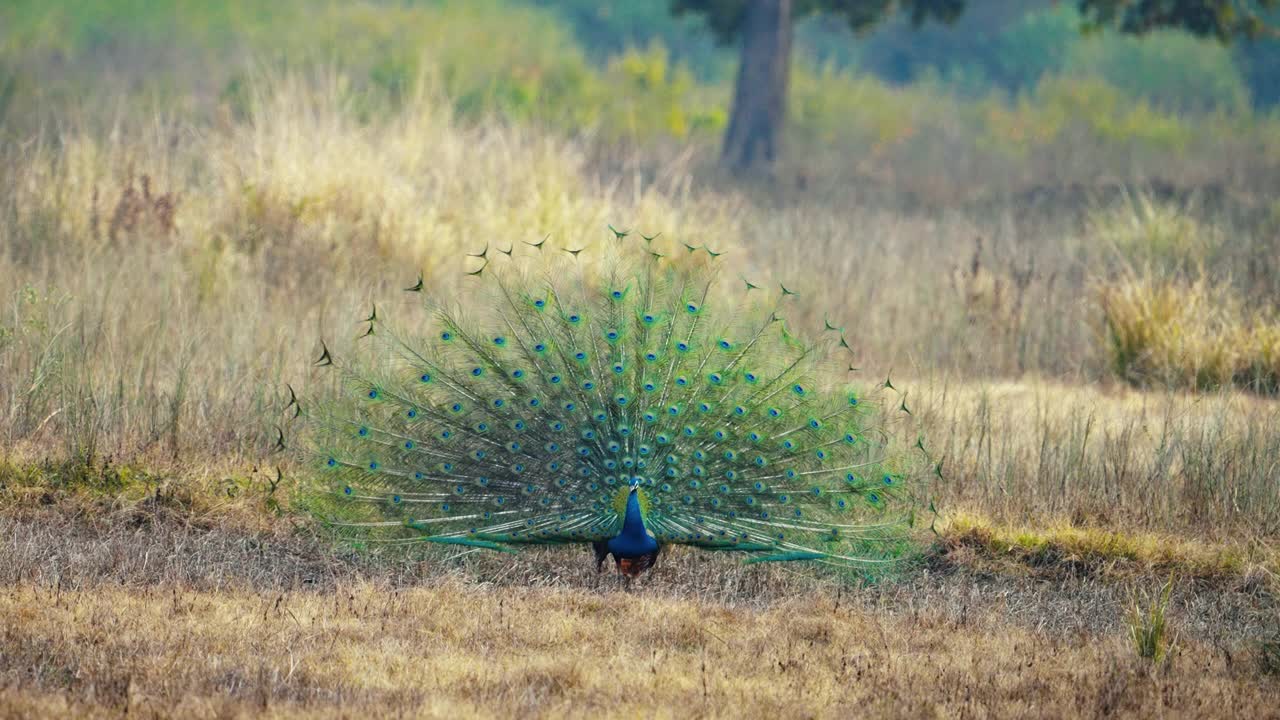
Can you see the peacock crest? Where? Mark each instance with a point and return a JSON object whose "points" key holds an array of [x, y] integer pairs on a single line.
{"points": [[651, 404]]}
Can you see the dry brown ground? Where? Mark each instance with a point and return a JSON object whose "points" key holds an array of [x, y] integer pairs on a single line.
{"points": [[459, 650], [152, 610]]}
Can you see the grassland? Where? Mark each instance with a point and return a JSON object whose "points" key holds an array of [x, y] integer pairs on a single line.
{"points": [[163, 274]]}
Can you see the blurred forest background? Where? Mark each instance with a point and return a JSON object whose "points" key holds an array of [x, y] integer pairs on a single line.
{"points": [[1009, 97]]}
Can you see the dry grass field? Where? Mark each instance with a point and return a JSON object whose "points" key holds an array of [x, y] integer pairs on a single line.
{"points": [[1096, 369]]}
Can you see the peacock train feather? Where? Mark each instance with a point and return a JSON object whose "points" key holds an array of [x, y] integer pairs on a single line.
{"points": [[652, 404]]}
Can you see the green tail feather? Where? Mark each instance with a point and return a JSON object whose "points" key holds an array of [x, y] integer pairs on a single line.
{"points": [[524, 424]]}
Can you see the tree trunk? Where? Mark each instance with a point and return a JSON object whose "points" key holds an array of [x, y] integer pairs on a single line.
{"points": [[754, 137]]}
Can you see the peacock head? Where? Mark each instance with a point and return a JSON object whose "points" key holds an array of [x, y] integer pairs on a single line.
{"points": [[632, 497]]}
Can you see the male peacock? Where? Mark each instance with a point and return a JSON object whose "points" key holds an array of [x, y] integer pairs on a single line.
{"points": [[640, 407]]}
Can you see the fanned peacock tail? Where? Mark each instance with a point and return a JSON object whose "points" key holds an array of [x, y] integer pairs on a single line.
{"points": [[533, 406]]}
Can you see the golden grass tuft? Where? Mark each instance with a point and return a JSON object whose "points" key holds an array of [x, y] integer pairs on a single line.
{"points": [[1189, 334]]}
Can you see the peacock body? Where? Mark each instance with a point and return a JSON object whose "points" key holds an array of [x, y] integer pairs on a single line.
{"points": [[645, 406]]}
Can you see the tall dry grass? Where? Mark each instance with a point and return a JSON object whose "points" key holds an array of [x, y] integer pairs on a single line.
{"points": [[161, 283]]}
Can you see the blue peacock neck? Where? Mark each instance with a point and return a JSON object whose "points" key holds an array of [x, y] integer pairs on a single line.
{"points": [[634, 540]]}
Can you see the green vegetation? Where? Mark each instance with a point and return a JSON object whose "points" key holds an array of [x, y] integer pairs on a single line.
{"points": [[1074, 122], [1147, 620]]}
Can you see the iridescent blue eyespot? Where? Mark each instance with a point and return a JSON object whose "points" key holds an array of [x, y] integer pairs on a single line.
{"points": [[616, 294], [579, 356], [425, 377], [691, 308], [373, 465], [413, 413], [446, 336], [555, 379], [477, 372], [750, 377], [682, 346], [650, 387], [651, 357], [539, 303], [575, 319], [611, 335], [715, 378], [739, 411], [682, 381], [618, 368], [725, 344], [346, 490], [648, 319], [814, 423], [539, 347], [332, 462], [888, 480], [408, 444], [517, 374], [774, 412], [557, 426], [456, 407], [499, 341], [588, 385], [499, 402], [798, 390], [363, 432], [395, 499], [373, 394]]}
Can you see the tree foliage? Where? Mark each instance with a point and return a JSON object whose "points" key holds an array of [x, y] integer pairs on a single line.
{"points": [[1222, 19]]}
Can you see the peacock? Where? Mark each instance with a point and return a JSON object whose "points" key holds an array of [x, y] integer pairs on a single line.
{"points": [[633, 403]]}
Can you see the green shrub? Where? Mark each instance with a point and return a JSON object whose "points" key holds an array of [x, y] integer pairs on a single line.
{"points": [[1174, 71]]}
